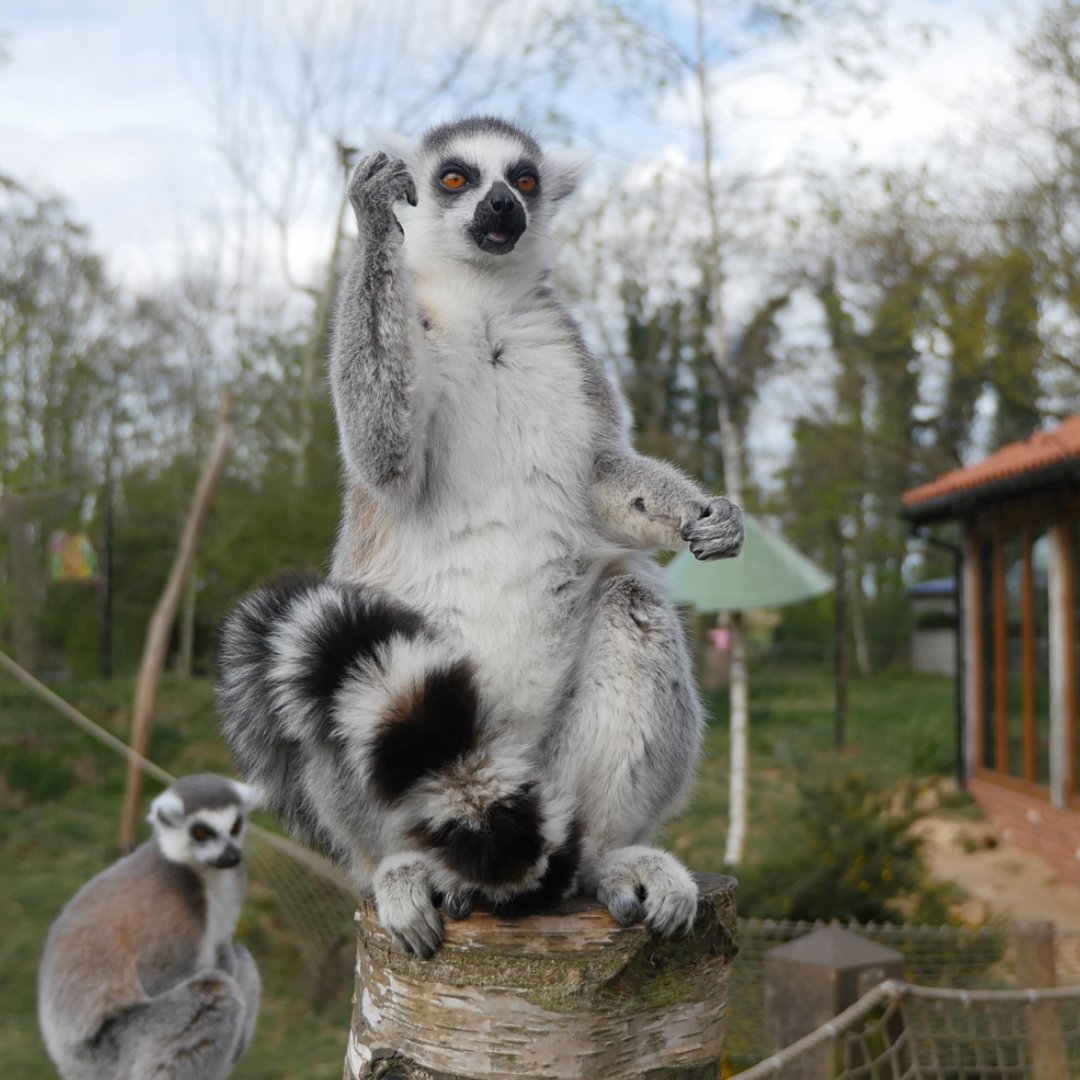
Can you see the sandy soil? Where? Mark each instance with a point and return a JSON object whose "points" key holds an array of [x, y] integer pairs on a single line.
{"points": [[1001, 879]]}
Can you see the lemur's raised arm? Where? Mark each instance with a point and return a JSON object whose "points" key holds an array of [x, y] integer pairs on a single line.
{"points": [[375, 363]]}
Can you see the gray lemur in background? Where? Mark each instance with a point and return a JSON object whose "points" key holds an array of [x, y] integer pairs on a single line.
{"points": [[140, 977], [489, 698]]}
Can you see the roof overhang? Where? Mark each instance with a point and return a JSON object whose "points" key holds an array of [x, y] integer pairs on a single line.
{"points": [[966, 502]]}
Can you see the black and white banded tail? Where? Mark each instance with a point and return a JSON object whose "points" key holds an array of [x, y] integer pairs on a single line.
{"points": [[367, 735]]}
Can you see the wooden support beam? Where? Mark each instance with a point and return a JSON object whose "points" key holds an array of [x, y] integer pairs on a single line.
{"points": [[566, 994], [161, 624]]}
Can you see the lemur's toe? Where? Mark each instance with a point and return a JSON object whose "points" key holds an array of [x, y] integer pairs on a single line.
{"points": [[406, 907], [671, 912], [458, 905], [625, 907]]}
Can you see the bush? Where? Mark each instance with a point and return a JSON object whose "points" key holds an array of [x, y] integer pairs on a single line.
{"points": [[849, 856]]}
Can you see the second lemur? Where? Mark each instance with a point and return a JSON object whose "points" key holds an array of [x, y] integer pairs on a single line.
{"points": [[489, 697]]}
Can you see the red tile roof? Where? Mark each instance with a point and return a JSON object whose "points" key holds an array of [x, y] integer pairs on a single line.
{"points": [[1029, 455]]}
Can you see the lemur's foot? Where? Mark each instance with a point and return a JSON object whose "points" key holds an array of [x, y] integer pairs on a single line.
{"points": [[403, 899], [717, 531], [645, 884]]}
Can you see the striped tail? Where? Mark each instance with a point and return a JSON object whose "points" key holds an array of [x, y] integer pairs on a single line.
{"points": [[365, 732]]}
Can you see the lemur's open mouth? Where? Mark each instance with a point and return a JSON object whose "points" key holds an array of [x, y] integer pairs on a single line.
{"points": [[496, 229], [497, 238]]}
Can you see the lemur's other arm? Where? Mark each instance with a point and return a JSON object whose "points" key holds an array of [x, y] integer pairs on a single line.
{"points": [[645, 503], [373, 362]]}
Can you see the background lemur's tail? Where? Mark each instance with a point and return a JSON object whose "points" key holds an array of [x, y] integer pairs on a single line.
{"points": [[364, 731]]}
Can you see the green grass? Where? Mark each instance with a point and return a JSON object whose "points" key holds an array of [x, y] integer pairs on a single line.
{"points": [[60, 794]]}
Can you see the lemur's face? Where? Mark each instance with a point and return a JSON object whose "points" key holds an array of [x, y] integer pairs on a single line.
{"points": [[486, 190], [202, 837]]}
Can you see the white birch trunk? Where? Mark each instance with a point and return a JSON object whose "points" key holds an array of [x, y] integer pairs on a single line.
{"points": [[740, 740], [733, 465]]}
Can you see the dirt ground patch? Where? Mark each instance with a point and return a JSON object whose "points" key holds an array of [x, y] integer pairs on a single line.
{"points": [[1002, 879]]}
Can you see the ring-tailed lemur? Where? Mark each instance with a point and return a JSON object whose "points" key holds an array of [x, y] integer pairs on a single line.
{"points": [[490, 696], [140, 977]]}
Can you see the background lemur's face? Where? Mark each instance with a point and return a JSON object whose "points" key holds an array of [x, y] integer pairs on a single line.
{"points": [[486, 190], [200, 822]]}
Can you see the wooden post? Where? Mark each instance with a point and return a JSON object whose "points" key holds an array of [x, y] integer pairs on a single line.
{"points": [[811, 980], [1035, 969], [161, 624], [566, 994]]}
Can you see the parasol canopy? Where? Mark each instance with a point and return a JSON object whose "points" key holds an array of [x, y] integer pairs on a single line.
{"points": [[768, 573]]}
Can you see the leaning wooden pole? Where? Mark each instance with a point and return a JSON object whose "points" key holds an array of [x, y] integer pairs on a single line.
{"points": [[566, 994], [158, 632]]}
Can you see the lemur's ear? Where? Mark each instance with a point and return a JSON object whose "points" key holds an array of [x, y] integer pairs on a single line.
{"points": [[167, 809], [392, 143], [563, 170], [249, 795]]}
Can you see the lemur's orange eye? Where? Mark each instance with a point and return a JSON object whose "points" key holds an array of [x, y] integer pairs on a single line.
{"points": [[453, 180], [199, 832], [526, 183]]}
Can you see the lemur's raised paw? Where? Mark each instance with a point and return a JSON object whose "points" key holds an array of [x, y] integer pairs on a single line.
{"points": [[645, 884], [406, 907], [716, 532], [378, 182]]}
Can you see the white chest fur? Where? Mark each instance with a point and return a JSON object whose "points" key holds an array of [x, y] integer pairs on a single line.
{"points": [[501, 547], [224, 894]]}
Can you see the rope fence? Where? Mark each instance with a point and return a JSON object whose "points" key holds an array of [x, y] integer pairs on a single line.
{"points": [[900, 1031], [978, 957]]}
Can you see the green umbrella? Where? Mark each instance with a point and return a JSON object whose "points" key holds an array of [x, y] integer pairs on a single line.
{"points": [[768, 573]]}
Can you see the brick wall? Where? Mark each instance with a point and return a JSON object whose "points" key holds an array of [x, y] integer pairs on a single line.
{"points": [[1033, 823]]}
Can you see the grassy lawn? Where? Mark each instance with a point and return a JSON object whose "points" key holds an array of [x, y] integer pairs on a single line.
{"points": [[60, 794]]}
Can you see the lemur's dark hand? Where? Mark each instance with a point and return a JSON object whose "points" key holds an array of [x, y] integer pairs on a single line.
{"points": [[378, 182], [716, 530]]}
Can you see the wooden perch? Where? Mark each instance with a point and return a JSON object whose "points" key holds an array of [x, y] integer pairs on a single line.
{"points": [[567, 994], [161, 623]]}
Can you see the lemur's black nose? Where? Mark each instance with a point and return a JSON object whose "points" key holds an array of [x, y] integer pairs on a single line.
{"points": [[502, 202]]}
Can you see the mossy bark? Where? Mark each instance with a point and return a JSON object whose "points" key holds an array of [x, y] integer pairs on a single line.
{"points": [[567, 994]]}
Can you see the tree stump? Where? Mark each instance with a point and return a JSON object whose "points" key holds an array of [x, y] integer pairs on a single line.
{"points": [[564, 994]]}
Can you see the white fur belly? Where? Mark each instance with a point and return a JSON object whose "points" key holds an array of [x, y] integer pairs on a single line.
{"points": [[502, 546]]}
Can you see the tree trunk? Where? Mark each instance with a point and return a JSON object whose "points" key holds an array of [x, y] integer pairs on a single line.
{"points": [[740, 739], [24, 585], [161, 623], [185, 654], [567, 994]]}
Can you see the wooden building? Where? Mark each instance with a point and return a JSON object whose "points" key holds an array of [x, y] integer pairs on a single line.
{"points": [[1019, 516]]}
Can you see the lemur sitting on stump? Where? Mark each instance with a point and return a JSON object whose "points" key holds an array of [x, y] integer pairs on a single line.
{"points": [[489, 698]]}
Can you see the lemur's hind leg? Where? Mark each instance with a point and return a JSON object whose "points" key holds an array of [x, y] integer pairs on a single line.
{"points": [[627, 748]]}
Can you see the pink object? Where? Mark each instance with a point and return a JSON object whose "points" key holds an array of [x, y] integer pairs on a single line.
{"points": [[720, 636]]}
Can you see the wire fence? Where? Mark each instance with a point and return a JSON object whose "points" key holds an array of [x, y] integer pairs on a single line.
{"points": [[899, 1031], [978, 957]]}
